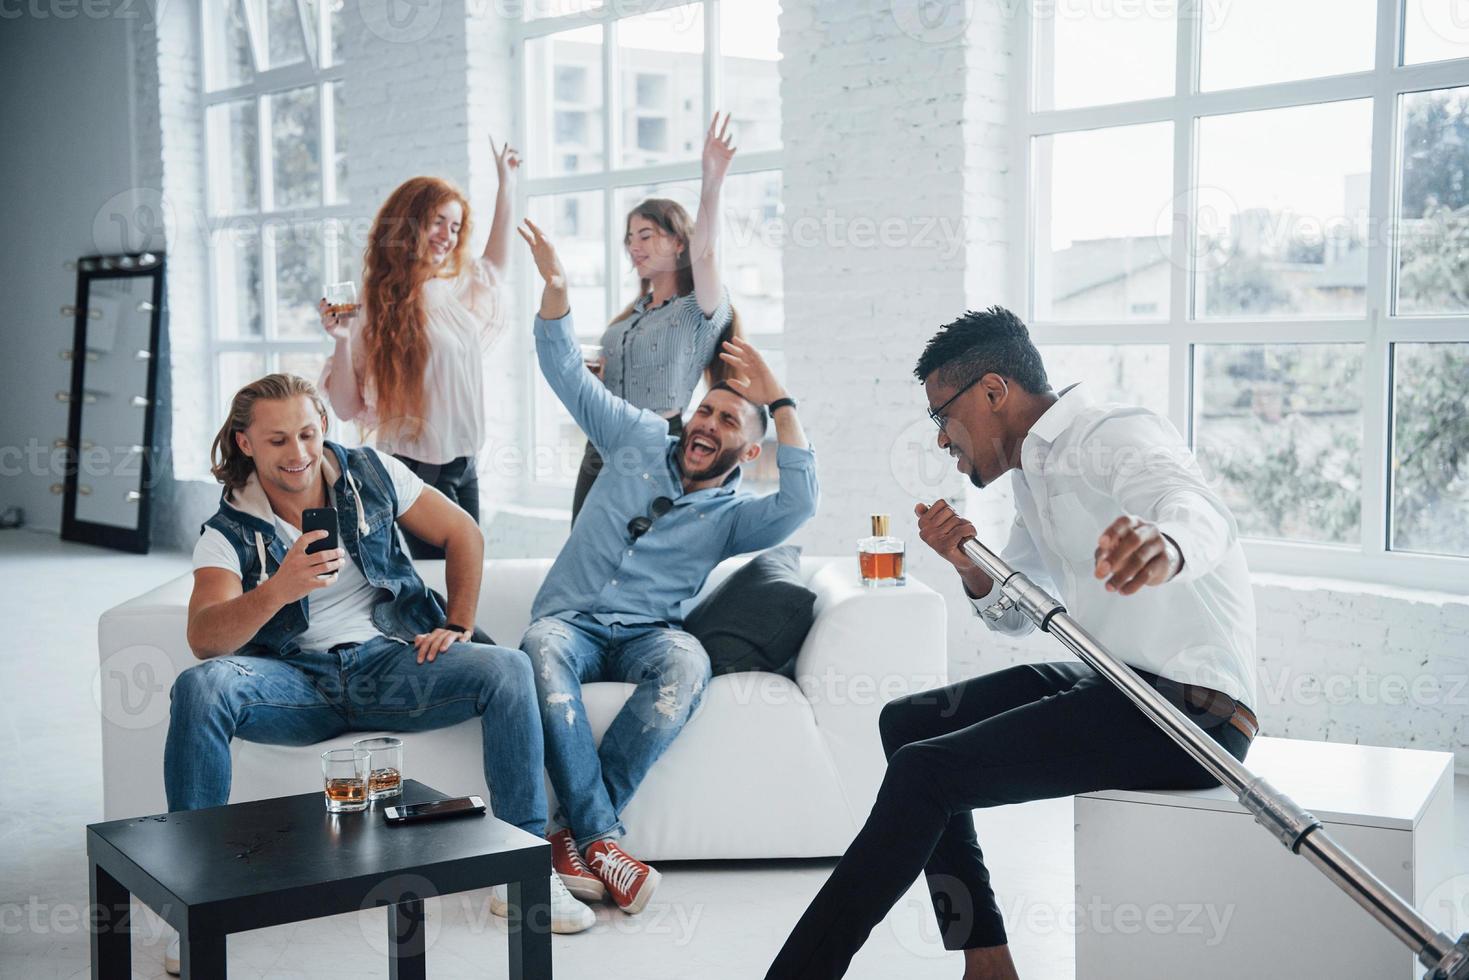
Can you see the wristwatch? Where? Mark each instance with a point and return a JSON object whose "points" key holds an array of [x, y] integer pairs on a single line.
{"points": [[781, 403], [456, 628]]}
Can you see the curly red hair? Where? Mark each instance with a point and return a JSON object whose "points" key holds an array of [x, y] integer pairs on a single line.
{"points": [[397, 264]]}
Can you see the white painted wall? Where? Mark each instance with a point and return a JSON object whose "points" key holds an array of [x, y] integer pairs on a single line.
{"points": [[67, 151]]}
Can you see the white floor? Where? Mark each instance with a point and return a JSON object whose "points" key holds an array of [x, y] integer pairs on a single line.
{"points": [[709, 920]]}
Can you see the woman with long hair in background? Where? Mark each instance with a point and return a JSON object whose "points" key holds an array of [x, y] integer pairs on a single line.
{"points": [[656, 350], [409, 364]]}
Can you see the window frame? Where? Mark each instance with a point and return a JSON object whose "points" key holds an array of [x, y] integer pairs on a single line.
{"points": [[322, 73], [613, 177], [1377, 331]]}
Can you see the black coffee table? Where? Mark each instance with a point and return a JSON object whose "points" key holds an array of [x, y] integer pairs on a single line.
{"points": [[227, 869]]}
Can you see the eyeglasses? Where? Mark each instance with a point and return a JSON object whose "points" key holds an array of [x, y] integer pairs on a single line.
{"points": [[940, 419], [639, 525]]}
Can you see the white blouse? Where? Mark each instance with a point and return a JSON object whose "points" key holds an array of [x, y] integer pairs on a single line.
{"points": [[465, 317]]}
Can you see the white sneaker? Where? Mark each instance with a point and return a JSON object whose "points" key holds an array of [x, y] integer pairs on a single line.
{"points": [[171, 956], [567, 914]]}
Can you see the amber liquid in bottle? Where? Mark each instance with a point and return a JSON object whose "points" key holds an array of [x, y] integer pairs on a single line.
{"points": [[881, 565], [880, 557]]}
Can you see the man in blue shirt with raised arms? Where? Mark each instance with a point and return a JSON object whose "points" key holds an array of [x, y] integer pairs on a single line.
{"points": [[665, 510]]}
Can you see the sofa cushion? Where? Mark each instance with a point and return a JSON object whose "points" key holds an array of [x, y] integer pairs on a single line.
{"points": [[757, 618]]}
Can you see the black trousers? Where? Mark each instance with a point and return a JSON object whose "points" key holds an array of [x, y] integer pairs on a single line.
{"points": [[591, 465], [457, 480], [1031, 732]]}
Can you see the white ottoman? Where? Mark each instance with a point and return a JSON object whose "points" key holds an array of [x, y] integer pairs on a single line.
{"points": [[1186, 884]]}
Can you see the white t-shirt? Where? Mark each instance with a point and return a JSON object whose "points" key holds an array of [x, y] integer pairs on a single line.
{"points": [[341, 612]]}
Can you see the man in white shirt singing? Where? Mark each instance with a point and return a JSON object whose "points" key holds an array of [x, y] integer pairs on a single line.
{"points": [[1114, 516]]}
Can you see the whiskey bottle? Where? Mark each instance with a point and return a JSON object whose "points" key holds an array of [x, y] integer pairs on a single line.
{"points": [[880, 557]]}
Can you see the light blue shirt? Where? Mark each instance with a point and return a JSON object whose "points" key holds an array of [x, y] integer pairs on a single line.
{"points": [[602, 571]]}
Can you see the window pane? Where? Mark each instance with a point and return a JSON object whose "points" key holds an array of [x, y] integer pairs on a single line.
{"points": [[1278, 430], [575, 222], [236, 370], [303, 364], [299, 280], [1430, 455], [749, 44], [1255, 42], [1282, 211], [339, 141], [1079, 49], [750, 250], [340, 239], [1433, 224], [237, 283], [234, 156], [296, 148], [283, 26], [536, 9], [564, 89], [685, 193], [662, 62], [227, 39], [559, 444], [1103, 255], [1133, 374], [1434, 30]]}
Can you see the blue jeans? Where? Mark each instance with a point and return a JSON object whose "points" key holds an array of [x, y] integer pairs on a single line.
{"points": [[670, 669], [375, 685]]}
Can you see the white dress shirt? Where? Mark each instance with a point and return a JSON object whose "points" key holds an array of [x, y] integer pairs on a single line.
{"points": [[1083, 465]]}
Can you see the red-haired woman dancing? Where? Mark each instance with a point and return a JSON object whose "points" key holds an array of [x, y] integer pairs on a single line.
{"points": [[409, 365]]}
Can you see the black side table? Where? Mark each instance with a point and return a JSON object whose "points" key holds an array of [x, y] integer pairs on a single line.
{"points": [[227, 869]]}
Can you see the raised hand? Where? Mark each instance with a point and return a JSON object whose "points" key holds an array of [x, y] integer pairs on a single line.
{"points": [[338, 326], [755, 379], [507, 162], [719, 149], [548, 263]]}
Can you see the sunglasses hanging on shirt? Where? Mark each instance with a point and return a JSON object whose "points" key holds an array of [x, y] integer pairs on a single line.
{"points": [[639, 525]]}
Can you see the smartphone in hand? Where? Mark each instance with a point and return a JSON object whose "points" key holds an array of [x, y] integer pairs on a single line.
{"points": [[320, 519]]}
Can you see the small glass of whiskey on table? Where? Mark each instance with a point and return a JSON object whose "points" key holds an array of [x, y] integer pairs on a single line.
{"points": [[385, 776], [344, 774]]}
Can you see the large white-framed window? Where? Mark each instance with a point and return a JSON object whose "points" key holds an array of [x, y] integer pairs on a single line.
{"points": [[1254, 217], [613, 107], [275, 181]]}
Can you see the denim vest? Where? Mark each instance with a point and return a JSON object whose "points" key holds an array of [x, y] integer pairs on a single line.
{"points": [[366, 508]]}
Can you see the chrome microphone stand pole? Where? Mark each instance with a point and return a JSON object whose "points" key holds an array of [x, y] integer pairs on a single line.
{"points": [[1293, 826]]}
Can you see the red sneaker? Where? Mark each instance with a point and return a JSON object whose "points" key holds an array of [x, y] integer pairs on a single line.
{"points": [[630, 881], [575, 875]]}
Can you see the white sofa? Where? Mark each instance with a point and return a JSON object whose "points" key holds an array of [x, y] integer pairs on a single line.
{"points": [[766, 767]]}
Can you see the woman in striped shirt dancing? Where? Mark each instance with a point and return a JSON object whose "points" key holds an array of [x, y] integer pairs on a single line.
{"points": [[655, 351]]}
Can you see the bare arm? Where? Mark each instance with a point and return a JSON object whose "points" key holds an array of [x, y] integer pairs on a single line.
{"points": [[342, 387], [719, 150], [435, 519], [223, 617], [507, 166]]}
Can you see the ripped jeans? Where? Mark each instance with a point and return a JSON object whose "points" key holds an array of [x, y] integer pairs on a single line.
{"points": [[670, 669], [376, 685]]}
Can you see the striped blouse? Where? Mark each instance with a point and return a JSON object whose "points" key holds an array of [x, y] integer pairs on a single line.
{"points": [[655, 357]]}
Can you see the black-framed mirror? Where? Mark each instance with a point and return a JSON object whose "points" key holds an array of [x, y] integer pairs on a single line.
{"points": [[110, 452]]}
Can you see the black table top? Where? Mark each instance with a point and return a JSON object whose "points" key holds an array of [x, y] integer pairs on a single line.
{"points": [[247, 850]]}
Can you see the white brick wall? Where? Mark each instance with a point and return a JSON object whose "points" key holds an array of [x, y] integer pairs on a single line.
{"points": [[897, 198]]}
